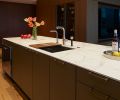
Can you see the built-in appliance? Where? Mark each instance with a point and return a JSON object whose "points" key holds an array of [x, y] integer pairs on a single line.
{"points": [[7, 60]]}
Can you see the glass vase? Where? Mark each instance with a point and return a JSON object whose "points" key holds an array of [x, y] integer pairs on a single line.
{"points": [[34, 33]]}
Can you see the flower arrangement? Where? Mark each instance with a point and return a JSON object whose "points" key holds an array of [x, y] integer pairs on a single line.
{"points": [[34, 24]]}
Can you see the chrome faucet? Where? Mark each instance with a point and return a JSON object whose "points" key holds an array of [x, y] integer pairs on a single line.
{"points": [[63, 29], [55, 31]]}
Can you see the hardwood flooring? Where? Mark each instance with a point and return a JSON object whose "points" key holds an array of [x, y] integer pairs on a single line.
{"points": [[7, 89]]}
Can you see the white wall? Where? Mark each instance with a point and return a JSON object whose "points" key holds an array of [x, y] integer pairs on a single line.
{"points": [[92, 18]]}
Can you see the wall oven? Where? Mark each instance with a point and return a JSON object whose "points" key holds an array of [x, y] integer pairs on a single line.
{"points": [[7, 60]]}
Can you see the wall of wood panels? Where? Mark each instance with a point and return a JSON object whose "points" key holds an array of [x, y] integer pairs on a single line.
{"points": [[80, 20], [46, 10]]}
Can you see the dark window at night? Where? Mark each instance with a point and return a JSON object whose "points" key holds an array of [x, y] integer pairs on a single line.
{"points": [[109, 19]]}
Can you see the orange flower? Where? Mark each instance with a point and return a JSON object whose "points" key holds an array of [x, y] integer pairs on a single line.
{"points": [[30, 24], [30, 19]]}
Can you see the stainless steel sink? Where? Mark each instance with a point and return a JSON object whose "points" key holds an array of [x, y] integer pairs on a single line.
{"points": [[51, 47]]}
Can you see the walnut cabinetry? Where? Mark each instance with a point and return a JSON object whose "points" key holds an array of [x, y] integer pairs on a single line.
{"points": [[112, 99], [62, 80], [22, 68], [40, 76], [85, 92], [43, 77], [93, 86], [75, 24], [113, 89]]}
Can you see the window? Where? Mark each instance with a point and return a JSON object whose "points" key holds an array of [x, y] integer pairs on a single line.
{"points": [[109, 19]]}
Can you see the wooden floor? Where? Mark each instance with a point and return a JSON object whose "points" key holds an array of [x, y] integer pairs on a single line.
{"points": [[7, 90]]}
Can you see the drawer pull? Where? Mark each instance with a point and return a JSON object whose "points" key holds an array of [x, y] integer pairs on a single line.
{"points": [[98, 76], [63, 63], [55, 60]]}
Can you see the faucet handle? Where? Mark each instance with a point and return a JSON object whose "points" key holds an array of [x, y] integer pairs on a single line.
{"points": [[71, 37]]}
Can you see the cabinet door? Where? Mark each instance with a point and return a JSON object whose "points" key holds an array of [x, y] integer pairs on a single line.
{"points": [[113, 89], [87, 93], [112, 99], [40, 77], [62, 81], [22, 69], [92, 79]]}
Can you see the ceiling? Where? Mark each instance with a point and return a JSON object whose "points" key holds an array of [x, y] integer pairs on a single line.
{"points": [[22, 1]]}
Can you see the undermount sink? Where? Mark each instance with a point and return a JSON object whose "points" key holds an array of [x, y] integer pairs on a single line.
{"points": [[51, 47], [56, 48]]}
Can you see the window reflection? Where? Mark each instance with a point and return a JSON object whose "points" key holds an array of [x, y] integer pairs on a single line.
{"points": [[109, 19]]}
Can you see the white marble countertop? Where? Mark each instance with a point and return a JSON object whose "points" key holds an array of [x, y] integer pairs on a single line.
{"points": [[88, 56]]}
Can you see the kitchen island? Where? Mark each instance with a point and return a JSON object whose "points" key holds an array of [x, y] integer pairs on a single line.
{"points": [[82, 73]]}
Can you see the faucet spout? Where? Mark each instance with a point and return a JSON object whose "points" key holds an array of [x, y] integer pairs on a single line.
{"points": [[63, 29], [55, 31]]}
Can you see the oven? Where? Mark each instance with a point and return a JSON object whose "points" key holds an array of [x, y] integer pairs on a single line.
{"points": [[7, 60]]}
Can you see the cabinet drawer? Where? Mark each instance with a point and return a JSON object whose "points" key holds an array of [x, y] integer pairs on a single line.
{"points": [[92, 79], [85, 92], [114, 89], [112, 98]]}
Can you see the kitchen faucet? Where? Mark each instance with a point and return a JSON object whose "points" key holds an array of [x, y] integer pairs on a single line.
{"points": [[55, 31], [63, 29]]}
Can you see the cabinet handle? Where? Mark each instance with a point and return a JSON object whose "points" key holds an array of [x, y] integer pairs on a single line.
{"points": [[54, 59], [59, 61], [63, 63], [98, 94], [98, 76]]}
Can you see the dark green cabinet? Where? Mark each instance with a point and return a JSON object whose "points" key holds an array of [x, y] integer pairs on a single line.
{"points": [[22, 68], [62, 80], [40, 76]]}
